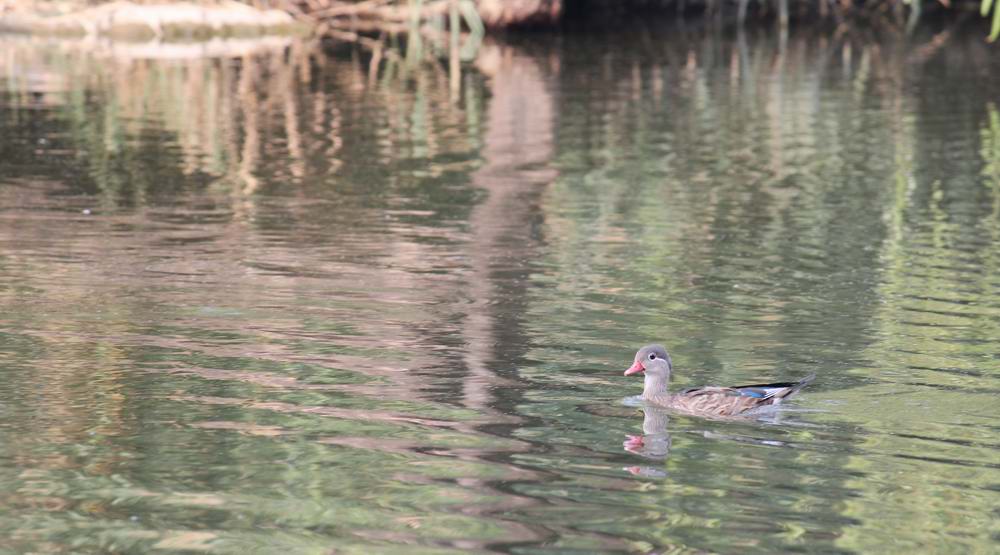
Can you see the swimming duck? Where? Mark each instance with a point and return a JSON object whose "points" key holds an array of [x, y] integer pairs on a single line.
{"points": [[654, 363]]}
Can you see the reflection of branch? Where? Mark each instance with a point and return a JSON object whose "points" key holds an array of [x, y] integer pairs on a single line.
{"points": [[251, 131], [330, 26], [517, 147], [374, 45], [347, 22], [926, 51], [379, 10]]}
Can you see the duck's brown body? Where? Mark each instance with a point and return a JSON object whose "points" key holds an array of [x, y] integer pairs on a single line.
{"points": [[654, 362], [727, 401]]}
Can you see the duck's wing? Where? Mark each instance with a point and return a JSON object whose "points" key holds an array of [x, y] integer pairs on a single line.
{"points": [[728, 401], [774, 391], [721, 401]]}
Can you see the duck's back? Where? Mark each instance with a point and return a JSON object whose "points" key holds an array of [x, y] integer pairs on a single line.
{"points": [[732, 401]]}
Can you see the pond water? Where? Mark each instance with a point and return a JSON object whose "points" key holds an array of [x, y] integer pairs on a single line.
{"points": [[288, 297]]}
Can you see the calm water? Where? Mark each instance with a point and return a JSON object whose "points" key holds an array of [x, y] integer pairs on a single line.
{"points": [[277, 298]]}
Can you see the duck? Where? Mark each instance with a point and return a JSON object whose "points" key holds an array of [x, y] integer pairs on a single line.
{"points": [[653, 362]]}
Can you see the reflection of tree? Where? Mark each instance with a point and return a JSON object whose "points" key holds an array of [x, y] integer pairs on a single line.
{"points": [[372, 180], [709, 136], [232, 120], [734, 199], [345, 261], [517, 147], [990, 149], [934, 328]]}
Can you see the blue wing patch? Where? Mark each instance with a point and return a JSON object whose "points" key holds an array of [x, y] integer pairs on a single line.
{"points": [[752, 393]]}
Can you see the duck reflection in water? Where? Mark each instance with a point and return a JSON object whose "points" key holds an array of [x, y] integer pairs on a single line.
{"points": [[654, 443]]}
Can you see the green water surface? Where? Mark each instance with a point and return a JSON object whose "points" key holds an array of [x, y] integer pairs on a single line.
{"points": [[286, 299]]}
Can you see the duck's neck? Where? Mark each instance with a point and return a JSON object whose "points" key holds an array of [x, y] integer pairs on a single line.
{"points": [[655, 385]]}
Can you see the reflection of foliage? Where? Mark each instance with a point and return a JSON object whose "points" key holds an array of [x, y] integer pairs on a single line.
{"points": [[745, 215], [674, 174], [733, 198], [985, 10], [143, 128], [990, 148]]}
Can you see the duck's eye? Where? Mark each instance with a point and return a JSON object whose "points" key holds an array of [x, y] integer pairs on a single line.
{"points": [[652, 356]]}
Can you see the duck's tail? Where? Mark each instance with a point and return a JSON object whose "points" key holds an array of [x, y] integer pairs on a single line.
{"points": [[797, 386]]}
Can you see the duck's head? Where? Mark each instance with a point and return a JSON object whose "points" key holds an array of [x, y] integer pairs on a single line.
{"points": [[651, 360]]}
